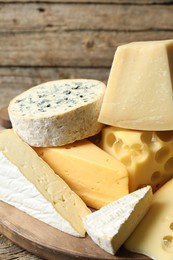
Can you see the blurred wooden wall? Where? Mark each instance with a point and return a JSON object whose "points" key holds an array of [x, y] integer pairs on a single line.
{"points": [[44, 40]]}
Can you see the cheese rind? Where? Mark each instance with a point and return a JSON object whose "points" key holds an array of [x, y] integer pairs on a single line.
{"points": [[93, 174], [51, 186], [154, 234], [58, 112], [147, 155], [139, 91], [17, 191], [110, 226]]}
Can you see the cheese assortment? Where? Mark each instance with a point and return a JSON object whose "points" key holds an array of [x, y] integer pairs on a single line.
{"points": [[93, 174], [154, 234], [148, 155], [58, 112], [139, 90], [18, 161], [134, 115], [110, 226]]}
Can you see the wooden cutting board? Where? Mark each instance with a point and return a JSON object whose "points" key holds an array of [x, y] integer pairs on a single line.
{"points": [[46, 241], [50, 243]]}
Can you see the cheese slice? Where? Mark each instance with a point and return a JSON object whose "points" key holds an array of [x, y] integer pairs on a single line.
{"points": [[110, 226], [17, 191], [154, 235], [58, 112], [148, 155], [24, 175], [140, 87], [93, 174]]}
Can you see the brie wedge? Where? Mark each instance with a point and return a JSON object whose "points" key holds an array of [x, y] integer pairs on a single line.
{"points": [[110, 226], [29, 184]]}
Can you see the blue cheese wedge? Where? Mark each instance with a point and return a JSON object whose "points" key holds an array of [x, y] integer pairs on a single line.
{"points": [[110, 226], [29, 184], [58, 112]]}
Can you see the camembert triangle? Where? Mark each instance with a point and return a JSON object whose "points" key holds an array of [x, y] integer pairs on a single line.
{"points": [[28, 183], [110, 226]]}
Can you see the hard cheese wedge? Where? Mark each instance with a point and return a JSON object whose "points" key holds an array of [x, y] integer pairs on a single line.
{"points": [[93, 174], [140, 86], [154, 235], [24, 177], [148, 155], [110, 226]]}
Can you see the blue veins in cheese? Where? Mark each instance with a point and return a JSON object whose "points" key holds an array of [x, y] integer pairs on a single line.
{"points": [[111, 225], [30, 185], [58, 112], [58, 95]]}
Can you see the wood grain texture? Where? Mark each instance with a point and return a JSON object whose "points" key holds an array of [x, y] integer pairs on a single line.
{"points": [[77, 35], [85, 49], [41, 17], [13, 250], [138, 2]]}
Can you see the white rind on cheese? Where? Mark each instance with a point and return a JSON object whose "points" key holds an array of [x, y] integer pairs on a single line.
{"points": [[58, 112], [17, 191], [67, 203], [110, 226]]}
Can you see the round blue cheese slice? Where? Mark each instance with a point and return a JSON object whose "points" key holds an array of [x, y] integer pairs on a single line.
{"points": [[58, 112]]}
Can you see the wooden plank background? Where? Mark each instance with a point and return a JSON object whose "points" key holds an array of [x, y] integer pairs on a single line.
{"points": [[47, 40], [42, 40]]}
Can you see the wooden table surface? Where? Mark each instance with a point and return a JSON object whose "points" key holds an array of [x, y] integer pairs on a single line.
{"points": [[47, 40]]}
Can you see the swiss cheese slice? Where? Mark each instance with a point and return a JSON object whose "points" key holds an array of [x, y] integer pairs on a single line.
{"points": [[58, 112], [148, 155], [26, 174], [93, 174], [140, 87], [110, 226], [154, 234]]}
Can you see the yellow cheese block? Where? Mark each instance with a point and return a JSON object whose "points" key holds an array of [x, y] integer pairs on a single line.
{"points": [[93, 174], [139, 91], [147, 155], [154, 234], [67, 204]]}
